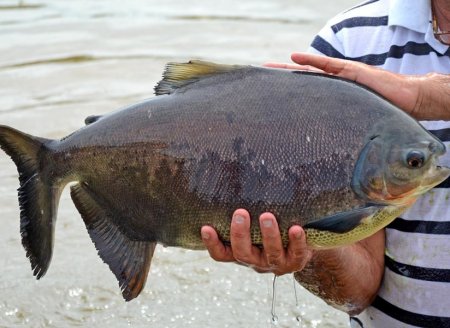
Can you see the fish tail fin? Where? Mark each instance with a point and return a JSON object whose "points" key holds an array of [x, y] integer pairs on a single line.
{"points": [[38, 197], [128, 259]]}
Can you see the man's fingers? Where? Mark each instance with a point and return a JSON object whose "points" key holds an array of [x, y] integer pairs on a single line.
{"points": [[293, 67], [351, 70], [240, 239], [283, 65], [327, 64], [272, 258], [343, 68], [217, 250], [271, 238], [297, 252]]}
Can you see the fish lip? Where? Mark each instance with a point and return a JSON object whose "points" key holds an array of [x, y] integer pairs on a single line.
{"points": [[436, 176], [444, 168]]}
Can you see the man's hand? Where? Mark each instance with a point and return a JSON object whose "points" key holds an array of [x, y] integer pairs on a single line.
{"points": [[422, 96], [272, 257], [347, 277]]}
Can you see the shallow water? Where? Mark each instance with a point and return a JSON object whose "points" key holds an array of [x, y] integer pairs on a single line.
{"points": [[61, 61]]}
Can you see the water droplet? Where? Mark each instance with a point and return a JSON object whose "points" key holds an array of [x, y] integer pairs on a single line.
{"points": [[274, 320]]}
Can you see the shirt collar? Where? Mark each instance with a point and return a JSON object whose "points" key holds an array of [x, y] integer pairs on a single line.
{"points": [[415, 15], [411, 14]]}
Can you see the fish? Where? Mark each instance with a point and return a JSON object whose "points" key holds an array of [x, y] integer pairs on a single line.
{"points": [[316, 150]]}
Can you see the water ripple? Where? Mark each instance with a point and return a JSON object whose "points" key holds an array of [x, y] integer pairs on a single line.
{"points": [[74, 59], [21, 6], [242, 18]]}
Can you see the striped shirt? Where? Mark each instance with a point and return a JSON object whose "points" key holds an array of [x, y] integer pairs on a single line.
{"points": [[397, 35]]}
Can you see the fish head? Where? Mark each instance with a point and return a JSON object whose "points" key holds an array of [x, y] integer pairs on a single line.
{"points": [[397, 165]]}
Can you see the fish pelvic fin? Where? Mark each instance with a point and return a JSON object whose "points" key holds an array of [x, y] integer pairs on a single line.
{"points": [[178, 75], [128, 259], [38, 196]]}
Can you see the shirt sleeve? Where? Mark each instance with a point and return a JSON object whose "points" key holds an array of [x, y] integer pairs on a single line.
{"points": [[327, 43]]}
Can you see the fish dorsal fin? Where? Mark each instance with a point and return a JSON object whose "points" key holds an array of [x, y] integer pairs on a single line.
{"points": [[178, 75], [128, 259]]}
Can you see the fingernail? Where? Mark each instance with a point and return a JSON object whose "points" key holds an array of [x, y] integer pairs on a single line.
{"points": [[205, 235], [238, 219], [298, 235], [267, 223]]}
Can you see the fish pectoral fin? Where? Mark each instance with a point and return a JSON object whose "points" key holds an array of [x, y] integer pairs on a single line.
{"points": [[128, 259], [178, 75], [344, 221]]}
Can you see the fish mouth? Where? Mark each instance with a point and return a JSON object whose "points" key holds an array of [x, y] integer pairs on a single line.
{"points": [[435, 176]]}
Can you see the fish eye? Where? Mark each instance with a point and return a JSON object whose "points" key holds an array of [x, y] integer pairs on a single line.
{"points": [[415, 159]]}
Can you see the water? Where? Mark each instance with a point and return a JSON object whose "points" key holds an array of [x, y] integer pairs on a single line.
{"points": [[61, 61]]}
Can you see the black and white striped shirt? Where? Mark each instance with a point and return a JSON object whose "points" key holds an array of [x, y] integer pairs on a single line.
{"points": [[397, 35]]}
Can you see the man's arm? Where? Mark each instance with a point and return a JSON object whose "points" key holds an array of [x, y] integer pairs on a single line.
{"points": [[425, 97], [346, 278]]}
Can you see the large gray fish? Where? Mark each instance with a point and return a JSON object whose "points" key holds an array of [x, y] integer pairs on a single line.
{"points": [[315, 150]]}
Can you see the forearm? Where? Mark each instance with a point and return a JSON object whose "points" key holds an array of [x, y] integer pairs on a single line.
{"points": [[347, 278], [433, 100]]}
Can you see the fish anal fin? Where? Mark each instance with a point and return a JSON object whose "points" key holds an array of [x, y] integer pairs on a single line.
{"points": [[128, 259], [178, 75], [344, 221]]}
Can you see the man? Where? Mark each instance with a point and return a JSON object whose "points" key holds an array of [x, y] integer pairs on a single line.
{"points": [[408, 285]]}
